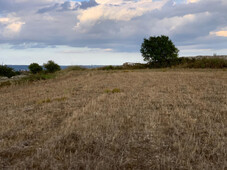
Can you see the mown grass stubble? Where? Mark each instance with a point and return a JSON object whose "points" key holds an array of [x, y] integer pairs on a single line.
{"points": [[157, 120]]}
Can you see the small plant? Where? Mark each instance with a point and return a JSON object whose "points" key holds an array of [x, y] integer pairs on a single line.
{"points": [[44, 101], [52, 67], [116, 90], [107, 91], [7, 71], [61, 99], [35, 68]]}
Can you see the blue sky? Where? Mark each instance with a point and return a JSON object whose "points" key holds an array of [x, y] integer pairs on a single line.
{"points": [[107, 31]]}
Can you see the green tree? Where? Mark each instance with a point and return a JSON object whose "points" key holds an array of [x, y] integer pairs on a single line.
{"points": [[52, 67], [7, 71], [160, 50], [35, 68]]}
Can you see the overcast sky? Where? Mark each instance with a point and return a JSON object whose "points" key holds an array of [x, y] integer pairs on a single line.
{"points": [[107, 31]]}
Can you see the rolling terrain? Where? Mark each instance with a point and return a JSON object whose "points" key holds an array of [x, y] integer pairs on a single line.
{"points": [[140, 119]]}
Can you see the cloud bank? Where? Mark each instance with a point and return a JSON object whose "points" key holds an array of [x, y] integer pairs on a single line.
{"points": [[116, 25]]}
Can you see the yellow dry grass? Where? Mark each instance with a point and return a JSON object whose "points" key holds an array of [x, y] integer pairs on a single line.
{"points": [[143, 119]]}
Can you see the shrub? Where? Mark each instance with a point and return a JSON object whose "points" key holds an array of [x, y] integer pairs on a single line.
{"points": [[107, 68], [75, 68], [7, 71], [52, 67], [110, 67], [116, 90], [35, 68], [209, 63], [125, 66], [134, 66], [213, 62]]}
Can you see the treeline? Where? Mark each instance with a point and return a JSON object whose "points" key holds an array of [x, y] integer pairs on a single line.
{"points": [[34, 68], [182, 62], [191, 62], [42, 72]]}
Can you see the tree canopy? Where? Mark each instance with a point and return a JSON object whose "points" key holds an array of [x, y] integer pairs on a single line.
{"points": [[158, 49], [51, 67], [35, 68]]}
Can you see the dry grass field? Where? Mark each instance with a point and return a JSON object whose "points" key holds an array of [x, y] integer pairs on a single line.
{"points": [[145, 119]]}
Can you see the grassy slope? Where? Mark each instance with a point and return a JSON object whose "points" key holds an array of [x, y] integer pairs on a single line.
{"points": [[155, 120]]}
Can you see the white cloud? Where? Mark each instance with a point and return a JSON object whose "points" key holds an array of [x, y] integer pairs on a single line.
{"points": [[10, 26], [34, 1], [171, 25], [220, 33], [4, 20], [224, 2], [14, 27], [192, 1], [112, 25], [118, 10], [115, 2]]}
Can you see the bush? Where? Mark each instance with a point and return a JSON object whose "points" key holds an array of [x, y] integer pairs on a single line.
{"points": [[213, 62], [208, 63], [125, 66], [110, 67], [35, 68], [159, 51], [52, 67], [134, 66], [7, 71]]}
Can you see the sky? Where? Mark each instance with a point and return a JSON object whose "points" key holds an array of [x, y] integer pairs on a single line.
{"points": [[107, 32]]}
